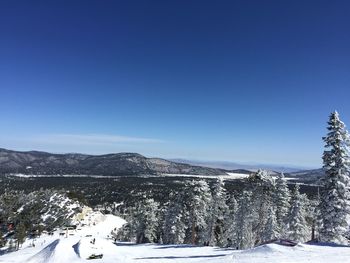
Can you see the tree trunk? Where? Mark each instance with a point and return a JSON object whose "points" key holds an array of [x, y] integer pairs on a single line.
{"points": [[193, 232]]}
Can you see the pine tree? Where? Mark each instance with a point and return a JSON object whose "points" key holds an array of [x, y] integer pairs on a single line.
{"points": [[297, 224], [282, 197], [312, 216], [146, 221], [20, 234], [2, 240], [271, 230], [318, 216], [218, 210], [128, 231], [262, 188], [229, 236], [197, 205], [174, 228], [244, 222], [335, 196]]}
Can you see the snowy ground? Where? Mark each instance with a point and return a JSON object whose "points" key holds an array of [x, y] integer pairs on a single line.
{"points": [[301, 253], [76, 247], [73, 249], [228, 176]]}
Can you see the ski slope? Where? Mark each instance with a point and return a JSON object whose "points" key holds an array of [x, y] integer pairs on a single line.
{"points": [[77, 250], [78, 245]]}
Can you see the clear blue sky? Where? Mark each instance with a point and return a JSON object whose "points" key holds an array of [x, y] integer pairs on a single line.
{"points": [[246, 81]]}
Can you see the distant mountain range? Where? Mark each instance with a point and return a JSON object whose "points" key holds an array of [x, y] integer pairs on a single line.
{"points": [[119, 164], [124, 164], [308, 176], [236, 166]]}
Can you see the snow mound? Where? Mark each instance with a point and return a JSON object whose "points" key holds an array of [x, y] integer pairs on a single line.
{"points": [[88, 246], [302, 253]]}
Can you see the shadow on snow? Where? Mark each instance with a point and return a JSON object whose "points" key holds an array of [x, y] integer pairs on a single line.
{"points": [[174, 257]]}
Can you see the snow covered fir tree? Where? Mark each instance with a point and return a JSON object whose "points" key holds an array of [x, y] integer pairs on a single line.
{"points": [[335, 195], [297, 225]]}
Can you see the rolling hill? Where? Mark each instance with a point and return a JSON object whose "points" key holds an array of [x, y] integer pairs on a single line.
{"points": [[119, 164]]}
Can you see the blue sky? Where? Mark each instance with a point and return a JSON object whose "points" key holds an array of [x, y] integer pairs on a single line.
{"points": [[244, 81]]}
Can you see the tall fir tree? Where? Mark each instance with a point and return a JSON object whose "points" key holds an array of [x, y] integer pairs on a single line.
{"points": [[174, 227], [318, 217], [20, 234], [244, 222], [282, 198], [229, 235], [218, 210], [272, 229], [198, 199], [262, 188], [146, 220], [297, 224], [335, 196]]}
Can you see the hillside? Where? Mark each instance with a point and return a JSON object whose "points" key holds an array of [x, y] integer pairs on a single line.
{"points": [[119, 164], [307, 176]]}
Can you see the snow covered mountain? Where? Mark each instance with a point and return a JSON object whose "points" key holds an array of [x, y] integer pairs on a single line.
{"points": [[118, 164], [308, 176]]}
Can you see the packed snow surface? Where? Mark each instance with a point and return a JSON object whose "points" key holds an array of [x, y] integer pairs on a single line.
{"points": [[94, 236], [75, 249]]}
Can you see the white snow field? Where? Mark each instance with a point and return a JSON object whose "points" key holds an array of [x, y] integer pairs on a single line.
{"points": [[77, 245]]}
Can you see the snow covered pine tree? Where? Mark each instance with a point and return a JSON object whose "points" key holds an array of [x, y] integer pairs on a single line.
{"points": [[297, 217], [198, 201], [282, 197], [217, 212], [229, 236], [335, 197], [174, 227]]}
